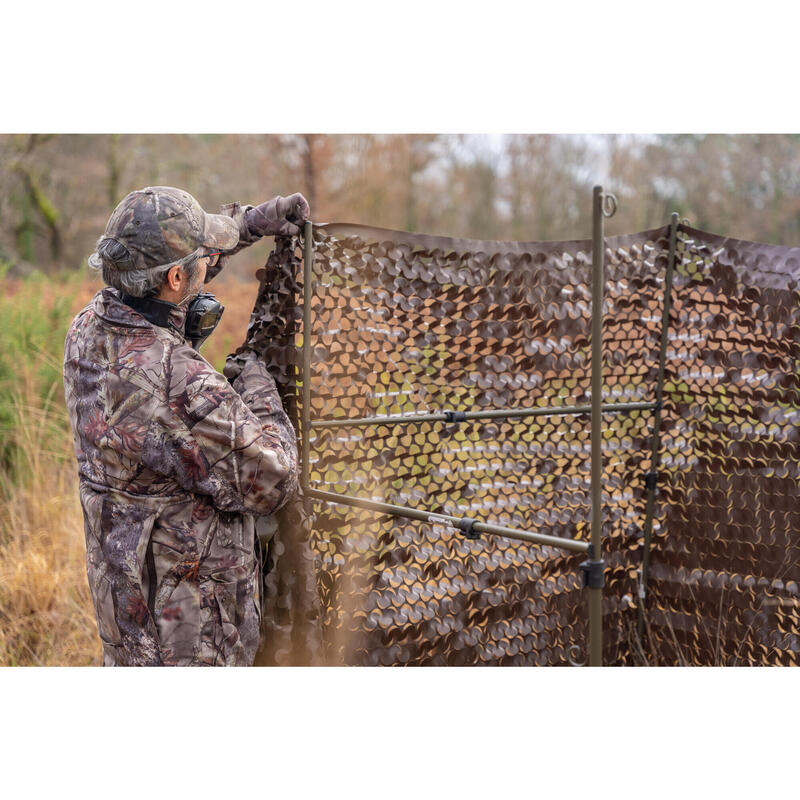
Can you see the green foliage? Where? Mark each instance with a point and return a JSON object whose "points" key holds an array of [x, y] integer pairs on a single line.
{"points": [[35, 316]]}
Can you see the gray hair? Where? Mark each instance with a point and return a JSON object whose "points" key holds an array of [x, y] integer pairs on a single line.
{"points": [[145, 282]]}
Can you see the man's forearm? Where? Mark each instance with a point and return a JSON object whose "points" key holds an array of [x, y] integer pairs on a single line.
{"points": [[236, 211], [281, 216], [257, 389]]}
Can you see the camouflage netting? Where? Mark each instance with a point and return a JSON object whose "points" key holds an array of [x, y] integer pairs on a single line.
{"points": [[407, 323], [726, 558]]}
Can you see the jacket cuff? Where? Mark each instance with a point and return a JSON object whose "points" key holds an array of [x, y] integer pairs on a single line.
{"points": [[236, 211]]}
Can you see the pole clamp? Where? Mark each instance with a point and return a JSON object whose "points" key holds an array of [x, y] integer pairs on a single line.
{"points": [[651, 481], [467, 526], [593, 573], [455, 416]]}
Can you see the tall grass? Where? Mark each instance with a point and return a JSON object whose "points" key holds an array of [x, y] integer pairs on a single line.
{"points": [[46, 615]]}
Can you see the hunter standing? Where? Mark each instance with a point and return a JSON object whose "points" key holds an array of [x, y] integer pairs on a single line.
{"points": [[175, 462]]}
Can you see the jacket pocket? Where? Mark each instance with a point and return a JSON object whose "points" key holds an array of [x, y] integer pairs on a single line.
{"points": [[232, 630], [103, 602]]}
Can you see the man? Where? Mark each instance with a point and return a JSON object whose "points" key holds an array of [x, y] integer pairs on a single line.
{"points": [[175, 462]]}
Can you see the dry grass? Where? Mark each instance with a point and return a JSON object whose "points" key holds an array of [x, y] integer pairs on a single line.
{"points": [[46, 615]]}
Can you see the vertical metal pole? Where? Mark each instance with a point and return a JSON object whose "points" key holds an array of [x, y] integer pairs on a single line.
{"points": [[651, 479], [596, 591], [305, 416]]}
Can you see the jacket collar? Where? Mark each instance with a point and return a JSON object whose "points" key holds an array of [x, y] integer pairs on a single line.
{"points": [[108, 306]]}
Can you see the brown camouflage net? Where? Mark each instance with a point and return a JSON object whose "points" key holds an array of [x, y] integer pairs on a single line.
{"points": [[408, 323], [726, 557]]}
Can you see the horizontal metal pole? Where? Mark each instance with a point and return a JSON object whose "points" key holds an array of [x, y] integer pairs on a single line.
{"points": [[468, 415], [427, 516]]}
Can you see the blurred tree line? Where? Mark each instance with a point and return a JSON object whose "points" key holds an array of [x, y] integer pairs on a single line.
{"points": [[57, 191]]}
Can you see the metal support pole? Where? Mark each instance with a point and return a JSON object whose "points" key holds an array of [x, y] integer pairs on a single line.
{"points": [[305, 427], [651, 478], [470, 527], [463, 416], [594, 567]]}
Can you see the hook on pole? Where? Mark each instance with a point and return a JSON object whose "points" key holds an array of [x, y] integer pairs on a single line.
{"points": [[609, 204]]}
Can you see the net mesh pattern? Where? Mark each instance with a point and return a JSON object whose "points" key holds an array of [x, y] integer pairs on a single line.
{"points": [[726, 555], [407, 324]]}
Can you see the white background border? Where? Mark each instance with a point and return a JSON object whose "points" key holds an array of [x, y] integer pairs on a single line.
{"points": [[472, 67]]}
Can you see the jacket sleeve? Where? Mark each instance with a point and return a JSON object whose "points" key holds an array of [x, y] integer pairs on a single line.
{"points": [[236, 212], [238, 448]]}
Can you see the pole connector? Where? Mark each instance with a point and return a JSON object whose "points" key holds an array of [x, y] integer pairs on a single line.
{"points": [[651, 480], [593, 573], [467, 526], [455, 416]]}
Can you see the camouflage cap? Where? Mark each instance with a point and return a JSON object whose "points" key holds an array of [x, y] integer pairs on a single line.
{"points": [[160, 225]]}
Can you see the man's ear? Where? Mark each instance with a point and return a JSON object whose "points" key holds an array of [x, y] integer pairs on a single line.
{"points": [[175, 278]]}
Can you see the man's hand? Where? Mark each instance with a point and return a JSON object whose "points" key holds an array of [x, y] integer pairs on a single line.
{"points": [[235, 364], [281, 216]]}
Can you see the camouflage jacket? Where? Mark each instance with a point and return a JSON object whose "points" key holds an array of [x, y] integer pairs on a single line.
{"points": [[174, 465]]}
